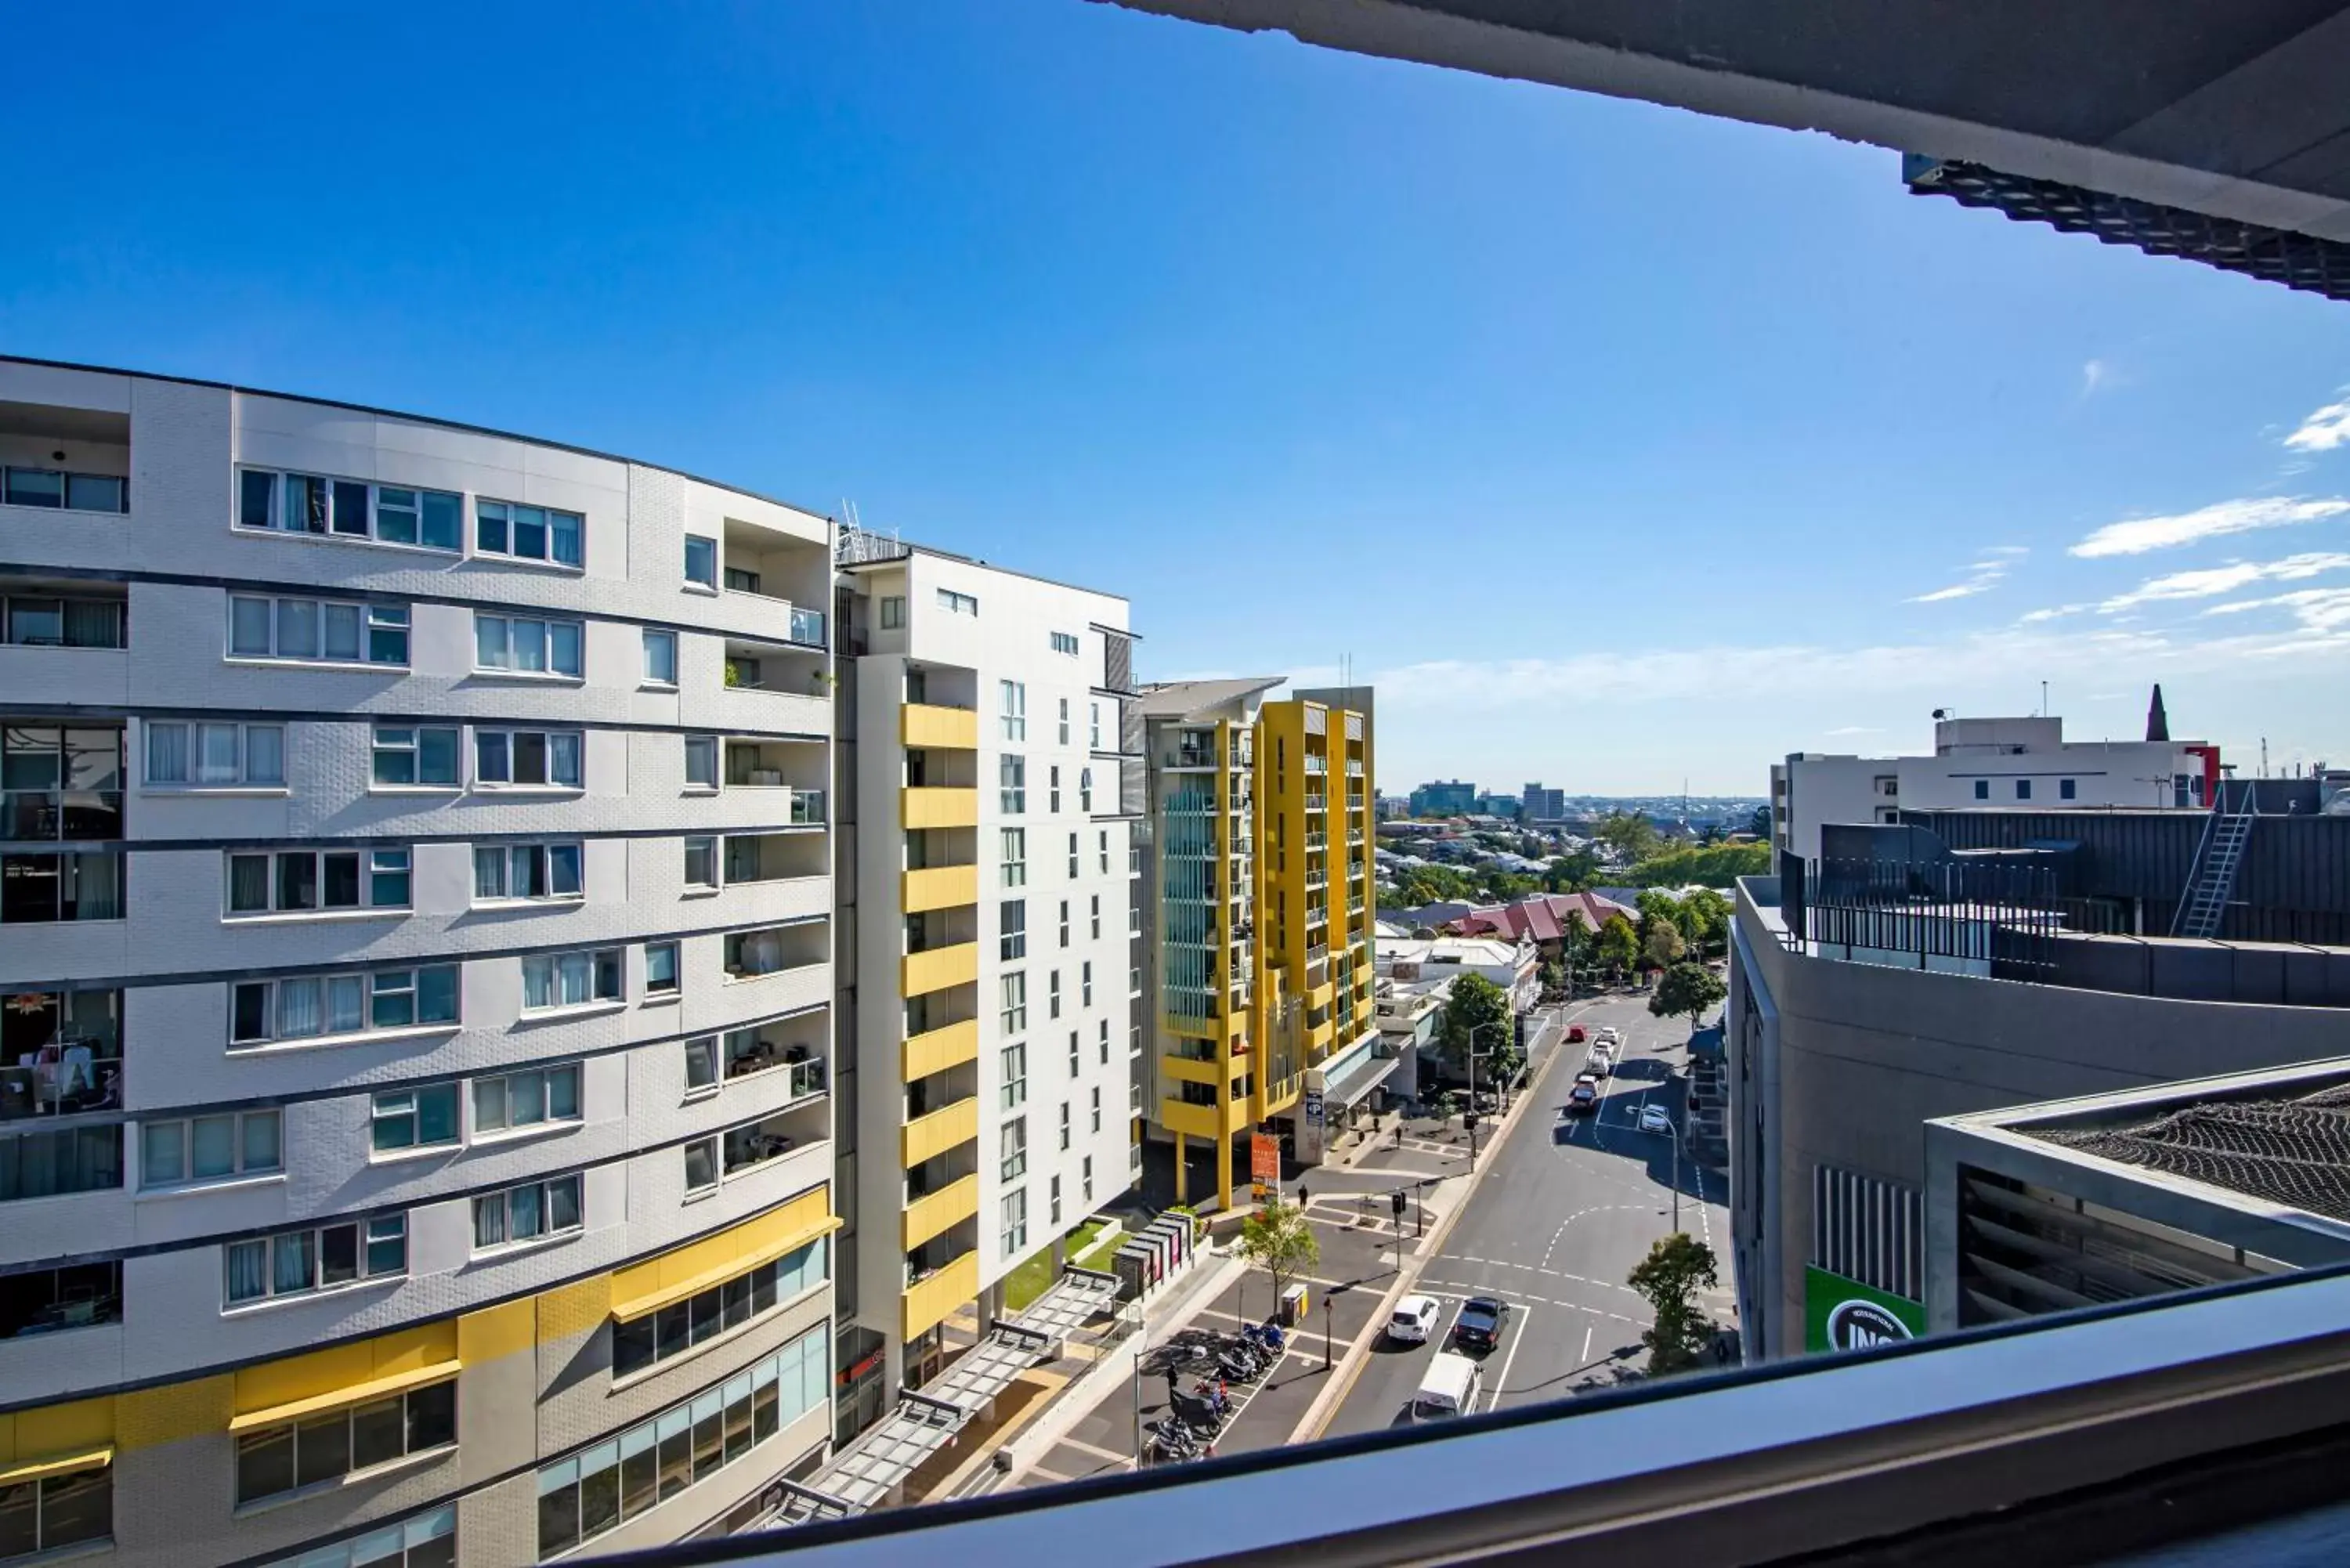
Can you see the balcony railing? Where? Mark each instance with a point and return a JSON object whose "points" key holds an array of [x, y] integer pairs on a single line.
{"points": [[749, 1148], [56, 489], [69, 1074], [1354, 767], [746, 1058], [808, 625], [1317, 880], [60, 815], [1315, 765], [44, 620], [1317, 840], [807, 808], [1317, 803]]}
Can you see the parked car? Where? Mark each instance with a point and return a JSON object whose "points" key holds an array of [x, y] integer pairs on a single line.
{"points": [[1413, 1320], [1656, 1119], [1479, 1326]]}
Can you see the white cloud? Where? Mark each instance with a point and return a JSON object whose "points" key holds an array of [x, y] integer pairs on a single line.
{"points": [[2008, 550], [1983, 574], [2211, 582], [2095, 375], [2054, 612], [2319, 609], [2324, 430], [2140, 534], [1856, 729], [1955, 591]]}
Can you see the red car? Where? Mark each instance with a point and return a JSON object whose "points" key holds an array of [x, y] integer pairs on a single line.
{"points": [[1575, 1035]]}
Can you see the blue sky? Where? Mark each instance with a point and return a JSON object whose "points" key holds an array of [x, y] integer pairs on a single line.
{"points": [[1616, 446]]}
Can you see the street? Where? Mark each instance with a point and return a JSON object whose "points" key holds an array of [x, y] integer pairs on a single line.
{"points": [[1564, 1208]]}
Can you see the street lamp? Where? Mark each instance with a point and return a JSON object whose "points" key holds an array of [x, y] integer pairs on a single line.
{"points": [[1474, 1031]]}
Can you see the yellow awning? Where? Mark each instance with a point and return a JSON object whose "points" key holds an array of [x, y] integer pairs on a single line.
{"points": [[671, 1291], [350, 1393], [57, 1465]]}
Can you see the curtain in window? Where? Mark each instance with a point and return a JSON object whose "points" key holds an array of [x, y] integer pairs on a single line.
{"points": [[167, 754], [490, 641], [538, 982], [295, 1262], [489, 873], [346, 1005], [93, 623], [529, 645], [298, 628], [343, 631], [577, 979], [489, 1220], [564, 638], [298, 1009], [214, 1146], [563, 759], [249, 627], [95, 887], [216, 750], [265, 755], [248, 1276]]}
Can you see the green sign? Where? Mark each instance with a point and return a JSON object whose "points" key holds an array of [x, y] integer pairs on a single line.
{"points": [[1845, 1314]]}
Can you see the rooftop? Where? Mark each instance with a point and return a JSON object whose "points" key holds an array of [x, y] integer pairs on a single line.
{"points": [[2289, 1145]]}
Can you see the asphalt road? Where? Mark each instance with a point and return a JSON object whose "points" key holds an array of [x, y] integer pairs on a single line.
{"points": [[1564, 1210]]}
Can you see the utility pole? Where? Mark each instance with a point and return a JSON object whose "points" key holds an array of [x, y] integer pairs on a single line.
{"points": [[1141, 1343], [1472, 1087]]}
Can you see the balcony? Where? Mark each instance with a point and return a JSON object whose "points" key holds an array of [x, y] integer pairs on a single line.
{"points": [[933, 1295], [931, 724], [766, 1141], [939, 968], [752, 857], [60, 1052], [1317, 803], [937, 806], [65, 490], [72, 886], [1354, 838], [77, 1295], [1315, 765], [1196, 1120], [1317, 915], [1317, 880], [1317, 840], [935, 1213], [33, 614], [749, 1052], [927, 1136], [774, 564], [778, 949], [936, 1049], [1354, 767], [939, 888]]}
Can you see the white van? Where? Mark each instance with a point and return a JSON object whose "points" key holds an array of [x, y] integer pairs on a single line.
{"points": [[1449, 1388]]}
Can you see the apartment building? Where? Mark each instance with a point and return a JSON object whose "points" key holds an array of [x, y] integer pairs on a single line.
{"points": [[994, 931], [1991, 765], [1259, 910], [415, 985]]}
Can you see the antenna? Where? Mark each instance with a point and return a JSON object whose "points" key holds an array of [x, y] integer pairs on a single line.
{"points": [[2043, 699]]}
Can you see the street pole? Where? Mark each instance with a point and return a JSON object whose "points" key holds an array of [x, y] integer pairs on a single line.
{"points": [[1677, 1178], [1325, 1331], [1141, 1342]]}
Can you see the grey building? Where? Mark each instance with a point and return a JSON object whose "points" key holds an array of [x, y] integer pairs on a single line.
{"points": [[1907, 981]]}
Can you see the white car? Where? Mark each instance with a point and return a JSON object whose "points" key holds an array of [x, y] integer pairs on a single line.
{"points": [[1656, 1119], [1414, 1320], [1607, 1036]]}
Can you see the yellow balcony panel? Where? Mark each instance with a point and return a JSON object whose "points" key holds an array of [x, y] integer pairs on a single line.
{"points": [[1184, 1069], [949, 1205], [939, 806], [939, 888], [936, 1049], [1275, 1099], [923, 972], [927, 1136], [1319, 995], [928, 724], [932, 1301], [1197, 1121]]}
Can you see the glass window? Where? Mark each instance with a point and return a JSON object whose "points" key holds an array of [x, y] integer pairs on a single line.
{"points": [[701, 561], [1015, 996], [527, 645], [893, 612], [1064, 642], [295, 1262], [702, 762], [701, 861], [661, 658], [528, 533], [1013, 781], [660, 968], [415, 1118], [408, 754], [1013, 919], [208, 1148], [701, 1164], [570, 979], [1015, 1091], [1015, 857], [1014, 695], [702, 1064], [1013, 1164], [326, 1447], [527, 1213]]}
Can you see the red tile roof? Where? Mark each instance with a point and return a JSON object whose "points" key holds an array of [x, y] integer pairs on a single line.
{"points": [[1541, 918]]}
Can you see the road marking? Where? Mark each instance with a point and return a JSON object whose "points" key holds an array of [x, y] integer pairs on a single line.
{"points": [[1543, 1301], [1494, 1401], [1588, 1331], [1084, 1448]]}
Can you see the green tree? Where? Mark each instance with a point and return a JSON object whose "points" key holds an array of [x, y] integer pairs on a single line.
{"points": [[1715, 866], [1479, 1008], [1277, 1240], [1759, 825], [1705, 921], [1573, 872], [1552, 977], [1669, 1278], [1618, 947], [1630, 834], [1690, 988], [1664, 946]]}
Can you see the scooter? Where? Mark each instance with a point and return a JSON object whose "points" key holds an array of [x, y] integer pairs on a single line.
{"points": [[1172, 1442], [1265, 1336]]}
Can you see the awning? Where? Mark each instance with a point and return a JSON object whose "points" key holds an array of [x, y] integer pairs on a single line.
{"points": [[669, 1292], [350, 1393], [57, 1465], [1360, 1080]]}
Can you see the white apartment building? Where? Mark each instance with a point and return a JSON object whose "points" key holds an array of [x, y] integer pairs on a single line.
{"points": [[415, 985], [993, 928], [1986, 764]]}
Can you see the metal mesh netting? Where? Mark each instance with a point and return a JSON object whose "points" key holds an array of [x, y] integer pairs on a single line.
{"points": [[2292, 1151]]}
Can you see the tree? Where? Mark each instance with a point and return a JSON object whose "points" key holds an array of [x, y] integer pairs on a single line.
{"points": [[1759, 825], [1552, 977], [1690, 988], [1617, 948], [1277, 1240], [1664, 947], [1479, 1008], [1705, 921], [1630, 835], [1573, 871], [1715, 866], [1675, 1269]]}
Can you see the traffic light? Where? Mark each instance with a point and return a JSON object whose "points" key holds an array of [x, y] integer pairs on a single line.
{"points": [[1397, 1201]]}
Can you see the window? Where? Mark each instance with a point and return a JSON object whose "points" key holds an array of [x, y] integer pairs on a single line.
{"points": [[1097, 917], [1096, 1107], [1073, 857], [51, 1512], [519, 872], [1064, 1124], [1073, 1056], [1065, 722], [539, 759], [591, 1492], [1014, 1092], [1983, 789], [528, 533], [537, 1096], [674, 1330], [208, 1148], [2024, 789], [957, 604], [1016, 1221], [893, 612], [701, 862], [1084, 789], [58, 489], [1064, 642], [536, 1210], [1015, 709], [701, 561], [1095, 744], [1053, 798], [1103, 849], [661, 970], [318, 1448], [527, 645], [1014, 1162], [1086, 1180], [1014, 1018], [204, 755], [1012, 775], [424, 1541], [317, 631], [702, 1064], [702, 1166], [1052, 992], [2065, 790], [413, 755], [661, 658], [702, 762], [290, 881], [1104, 1041], [48, 621], [297, 1262], [1064, 922], [1056, 1218], [416, 1118], [550, 981], [1015, 857], [1086, 985], [303, 503], [310, 1006], [1013, 921]]}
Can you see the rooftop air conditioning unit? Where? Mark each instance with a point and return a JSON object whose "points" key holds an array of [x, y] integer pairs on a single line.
{"points": [[2334, 791]]}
